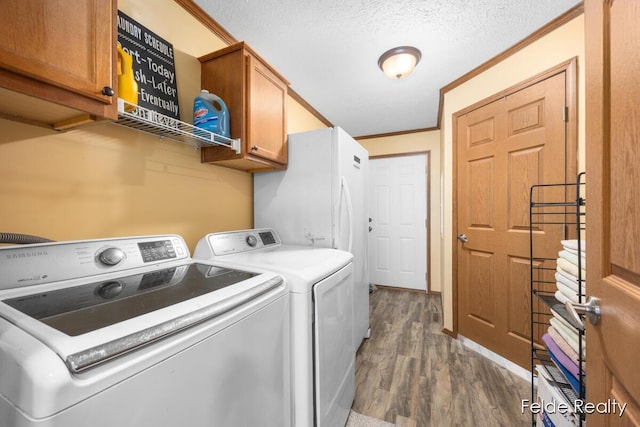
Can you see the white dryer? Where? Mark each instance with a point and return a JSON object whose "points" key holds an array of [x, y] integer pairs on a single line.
{"points": [[321, 284]]}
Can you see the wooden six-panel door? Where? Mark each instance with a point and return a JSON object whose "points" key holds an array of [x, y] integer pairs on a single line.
{"points": [[503, 148], [613, 209]]}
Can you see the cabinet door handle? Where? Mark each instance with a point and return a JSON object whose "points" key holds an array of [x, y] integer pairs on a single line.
{"points": [[590, 309], [254, 148], [107, 91]]}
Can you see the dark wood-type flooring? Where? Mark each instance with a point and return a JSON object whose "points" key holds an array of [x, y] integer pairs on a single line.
{"points": [[411, 374]]}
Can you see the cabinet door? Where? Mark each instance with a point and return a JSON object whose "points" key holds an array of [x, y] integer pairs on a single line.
{"points": [[266, 113], [63, 43]]}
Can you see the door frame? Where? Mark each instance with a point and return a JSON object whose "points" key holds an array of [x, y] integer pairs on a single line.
{"points": [[427, 236], [571, 155]]}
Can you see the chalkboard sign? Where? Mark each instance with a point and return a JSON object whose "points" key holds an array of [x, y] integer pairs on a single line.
{"points": [[153, 66]]}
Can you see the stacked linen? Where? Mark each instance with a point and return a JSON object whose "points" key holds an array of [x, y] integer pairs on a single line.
{"points": [[562, 344], [562, 340], [561, 329], [570, 272]]}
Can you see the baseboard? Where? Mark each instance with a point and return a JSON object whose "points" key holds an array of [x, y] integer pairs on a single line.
{"points": [[394, 288], [505, 363]]}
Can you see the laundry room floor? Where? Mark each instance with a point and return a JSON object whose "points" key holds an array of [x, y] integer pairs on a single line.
{"points": [[411, 374]]}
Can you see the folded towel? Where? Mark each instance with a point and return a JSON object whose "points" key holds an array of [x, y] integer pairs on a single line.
{"points": [[573, 380], [572, 251], [582, 255], [573, 258], [570, 335], [561, 297], [561, 357], [571, 268], [565, 347], [559, 317], [573, 244], [569, 281], [568, 292], [570, 277]]}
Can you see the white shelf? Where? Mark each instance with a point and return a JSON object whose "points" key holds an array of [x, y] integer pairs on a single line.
{"points": [[145, 120]]}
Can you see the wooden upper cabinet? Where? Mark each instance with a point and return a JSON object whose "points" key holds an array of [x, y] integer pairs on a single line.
{"points": [[61, 51], [255, 95]]}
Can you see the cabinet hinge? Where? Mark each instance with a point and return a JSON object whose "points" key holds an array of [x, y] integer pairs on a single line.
{"points": [[565, 114]]}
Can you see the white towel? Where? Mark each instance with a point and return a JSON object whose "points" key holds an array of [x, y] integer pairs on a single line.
{"points": [[571, 283], [570, 335], [562, 297], [573, 244], [567, 292], [573, 258], [567, 276], [573, 251], [576, 253], [561, 319], [571, 268]]}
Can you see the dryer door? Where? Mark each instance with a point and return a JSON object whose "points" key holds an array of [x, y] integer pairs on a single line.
{"points": [[334, 353]]}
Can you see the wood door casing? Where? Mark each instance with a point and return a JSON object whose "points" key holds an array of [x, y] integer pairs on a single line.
{"points": [[613, 206], [502, 148]]}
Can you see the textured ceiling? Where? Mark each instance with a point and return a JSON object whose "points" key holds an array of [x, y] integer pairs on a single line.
{"points": [[329, 49]]}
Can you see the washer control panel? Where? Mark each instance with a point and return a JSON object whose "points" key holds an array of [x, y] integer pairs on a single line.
{"points": [[51, 262], [219, 244]]}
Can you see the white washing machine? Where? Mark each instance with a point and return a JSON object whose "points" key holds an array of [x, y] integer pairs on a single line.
{"points": [[132, 332], [321, 284]]}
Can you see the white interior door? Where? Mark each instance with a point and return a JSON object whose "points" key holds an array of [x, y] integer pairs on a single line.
{"points": [[398, 207]]}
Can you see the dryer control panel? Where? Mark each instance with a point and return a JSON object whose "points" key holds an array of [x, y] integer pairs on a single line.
{"points": [[232, 242]]}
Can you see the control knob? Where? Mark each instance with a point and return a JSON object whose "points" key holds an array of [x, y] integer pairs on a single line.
{"points": [[251, 240], [111, 256]]}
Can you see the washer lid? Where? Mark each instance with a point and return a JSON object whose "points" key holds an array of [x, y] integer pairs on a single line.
{"points": [[89, 323]]}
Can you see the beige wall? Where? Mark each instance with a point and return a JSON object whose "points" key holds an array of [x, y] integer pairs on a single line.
{"points": [[412, 143], [559, 46], [108, 181], [299, 119], [105, 180]]}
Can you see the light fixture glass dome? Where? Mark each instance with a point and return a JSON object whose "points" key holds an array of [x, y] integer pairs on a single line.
{"points": [[399, 62]]}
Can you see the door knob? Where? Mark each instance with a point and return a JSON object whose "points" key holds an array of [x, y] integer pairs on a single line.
{"points": [[463, 238], [590, 309]]}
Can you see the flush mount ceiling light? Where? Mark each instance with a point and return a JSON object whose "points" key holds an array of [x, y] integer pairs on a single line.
{"points": [[399, 62]]}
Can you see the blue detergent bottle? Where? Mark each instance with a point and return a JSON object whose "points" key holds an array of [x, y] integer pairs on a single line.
{"points": [[211, 113]]}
